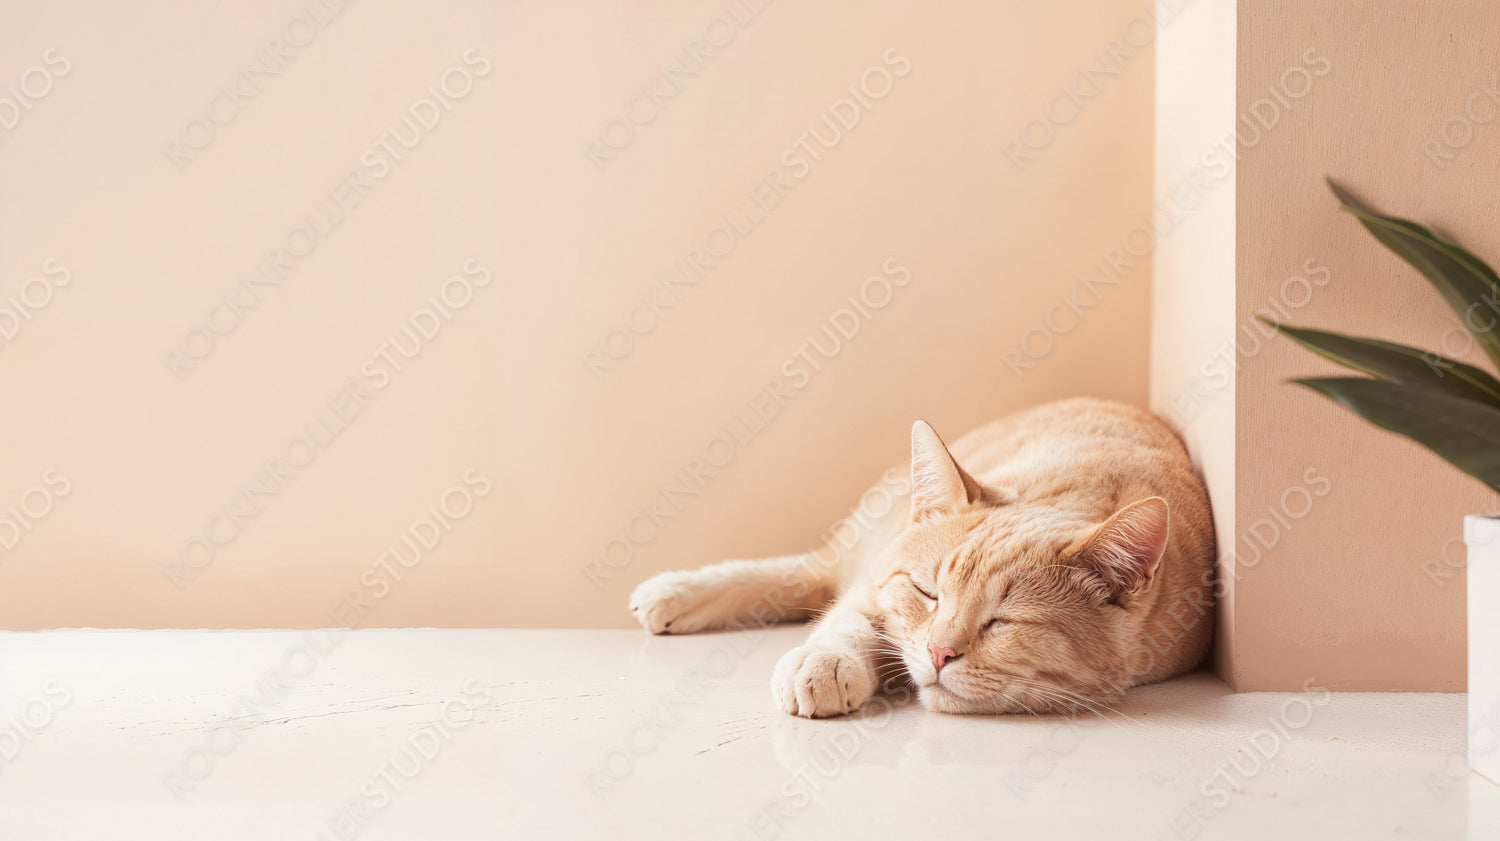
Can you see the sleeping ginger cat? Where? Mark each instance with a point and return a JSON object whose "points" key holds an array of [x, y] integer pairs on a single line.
{"points": [[1051, 560]]}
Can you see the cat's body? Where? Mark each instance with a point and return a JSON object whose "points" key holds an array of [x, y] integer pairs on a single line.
{"points": [[1059, 556]]}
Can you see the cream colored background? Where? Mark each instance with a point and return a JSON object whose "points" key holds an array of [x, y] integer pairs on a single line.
{"points": [[503, 389], [1193, 280]]}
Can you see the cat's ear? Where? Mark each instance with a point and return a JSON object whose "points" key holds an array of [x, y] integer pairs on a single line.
{"points": [[938, 485], [1128, 547]]}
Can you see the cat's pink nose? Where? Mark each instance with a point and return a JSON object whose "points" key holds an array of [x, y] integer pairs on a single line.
{"points": [[941, 656]]}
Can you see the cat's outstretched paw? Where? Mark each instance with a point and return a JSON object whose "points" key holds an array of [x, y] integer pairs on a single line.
{"points": [[818, 681], [672, 603]]}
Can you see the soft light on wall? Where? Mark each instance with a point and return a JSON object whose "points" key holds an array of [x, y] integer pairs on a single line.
{"points": [[385, 316]]}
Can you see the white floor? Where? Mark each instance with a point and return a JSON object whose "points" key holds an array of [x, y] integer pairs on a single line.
{"points": [[584, 734]]}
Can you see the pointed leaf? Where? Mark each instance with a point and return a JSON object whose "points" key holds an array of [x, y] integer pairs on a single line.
{"points": [[1398, 363], [1465, 433], [1469, 285]]}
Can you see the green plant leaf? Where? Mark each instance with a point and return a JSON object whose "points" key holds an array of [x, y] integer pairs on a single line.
{"points": [[1465, 281], [1464, 432], [1398, 363]]}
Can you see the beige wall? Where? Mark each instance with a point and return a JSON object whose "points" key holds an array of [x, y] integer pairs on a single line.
{"points": [[1192, 296], [126, 453], [1342, 528]]}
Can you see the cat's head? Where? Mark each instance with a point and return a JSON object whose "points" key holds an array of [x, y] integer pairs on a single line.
{"points": [[1001, 603]]}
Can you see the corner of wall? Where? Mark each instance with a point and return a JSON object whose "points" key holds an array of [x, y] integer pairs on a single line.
{"points": [[1193, 279]]}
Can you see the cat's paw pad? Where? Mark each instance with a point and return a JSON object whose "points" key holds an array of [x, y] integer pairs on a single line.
{"points": [[670, 603], [818, 681]]}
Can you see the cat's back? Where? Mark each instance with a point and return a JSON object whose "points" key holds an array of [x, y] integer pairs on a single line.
{"points": [[1086, 452], [1081, 430]]}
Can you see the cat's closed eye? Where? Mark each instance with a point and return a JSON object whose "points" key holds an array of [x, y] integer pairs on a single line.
{"points": [[918, 588]]}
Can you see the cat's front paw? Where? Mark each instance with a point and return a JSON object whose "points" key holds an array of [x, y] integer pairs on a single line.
{"points": [[818, 681], [671, 603]]}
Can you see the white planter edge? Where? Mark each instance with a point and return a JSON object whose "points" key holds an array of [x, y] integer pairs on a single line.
{"points": [[1482, 536]]}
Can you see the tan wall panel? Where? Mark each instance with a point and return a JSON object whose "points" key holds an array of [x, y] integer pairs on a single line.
{"points": [[1340, 586]]}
